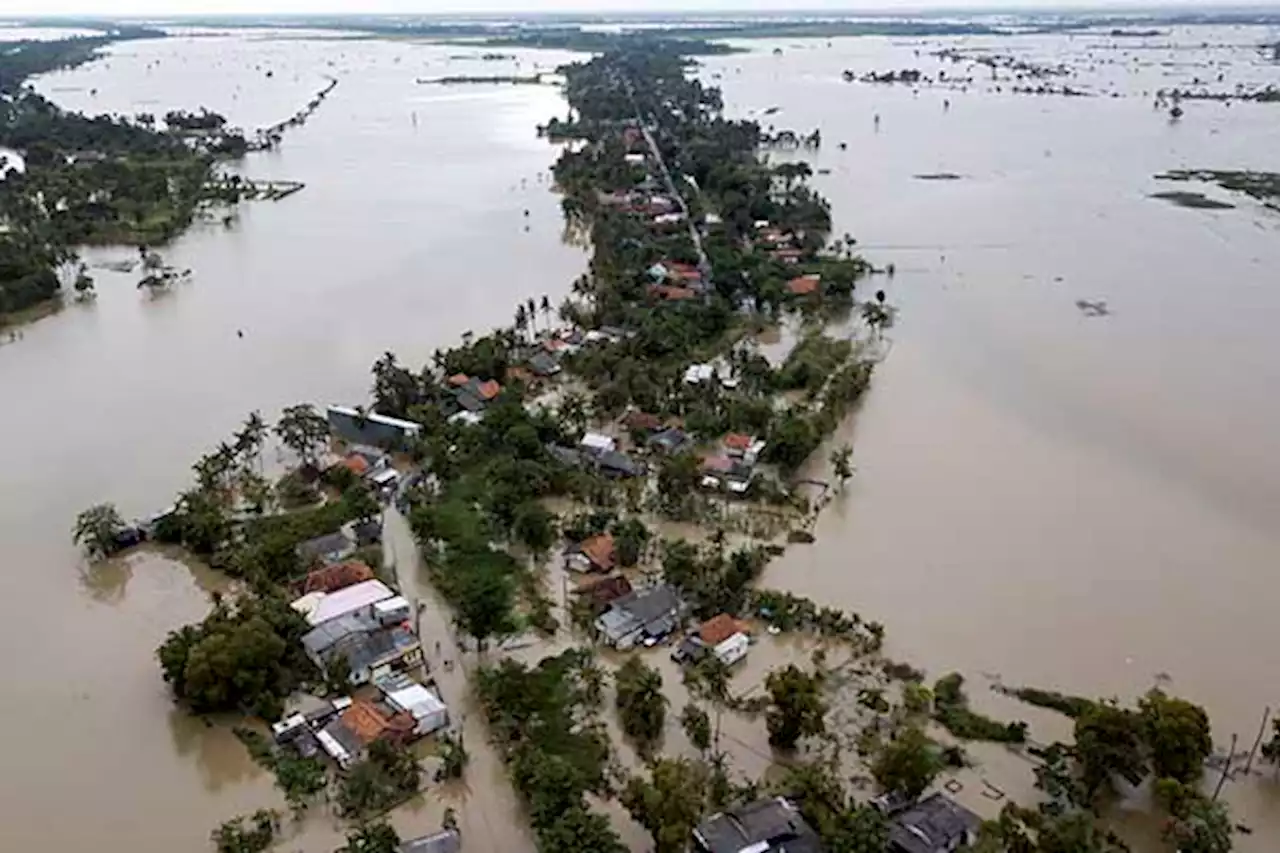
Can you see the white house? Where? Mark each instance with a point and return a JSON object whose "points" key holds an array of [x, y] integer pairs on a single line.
{"points": [[598, 442], [404, 694]]}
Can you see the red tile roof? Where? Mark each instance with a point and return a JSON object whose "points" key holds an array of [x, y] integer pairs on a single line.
{"points": [[336, 577], [457, 380], [519, 374], [717, 463], [804, 285], [642, 420], [368, 723], [670, 292], [716, 630], [738, 441], [603, 590], [356, 464], [599, 550], [489, 390]]}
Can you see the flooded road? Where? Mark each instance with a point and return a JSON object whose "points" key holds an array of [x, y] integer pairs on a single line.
{"points": [[1066, 501], [410, 231]]}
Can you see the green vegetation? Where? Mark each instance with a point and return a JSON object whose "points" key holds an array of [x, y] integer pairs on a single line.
{"points": [[697, 726], [245, 656], [378, 837], [642, 708], [300, 779], [1072, 706], [388, 777], [796, 707], [951, 709], [1262, 186], [544, 722], [844, 825], [252, 834], [97, 531], [908, 763], [669, 803]]}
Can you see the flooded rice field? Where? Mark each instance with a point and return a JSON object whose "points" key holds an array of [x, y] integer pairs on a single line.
{"points": [[1042, 496]]}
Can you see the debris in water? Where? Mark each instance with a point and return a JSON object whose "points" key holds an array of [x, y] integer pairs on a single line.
{"points": [[1093, 308]]}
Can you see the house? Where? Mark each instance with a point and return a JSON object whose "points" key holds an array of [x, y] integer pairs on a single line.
{"points": [[468, 402], [337, 576], [642, 422], [671, 293], [543, 364], [936, 824], [726, 637], [403, 694], [602, 591], [634, 159], [696, 374], [347, 738], [690, 650], [370, 648], [359, 597], [597, 442], [745, 447], [804, 285], [725, 472], [596, 554], [330, 548], [617, 465], [766, 826], [445, 841], [360, 427], [644, 616], [670, 441]]}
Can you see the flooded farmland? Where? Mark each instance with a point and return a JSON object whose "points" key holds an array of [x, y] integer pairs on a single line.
{"points": [[1070, 501]]}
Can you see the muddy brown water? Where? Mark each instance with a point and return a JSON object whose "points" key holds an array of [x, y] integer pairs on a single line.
{"points": [[1060, 500]]}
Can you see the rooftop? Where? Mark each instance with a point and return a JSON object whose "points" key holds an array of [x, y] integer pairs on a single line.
{"points": [[368, 723], [716, 630], [761, 827], [448, 841], [936, 824], [349, 599], [738, 441], [805, 284], [337, 576]]}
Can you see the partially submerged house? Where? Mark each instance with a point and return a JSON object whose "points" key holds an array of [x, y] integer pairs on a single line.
{"points": [[771, 825], [603, 591], [403, 694], [347, 738], [361, 427], [596, 554], [724, 472], [330, 548], [670, 441], [936, 824], [370, 648], [725, 637], [644, 616], [445, 841], [744, 447]]}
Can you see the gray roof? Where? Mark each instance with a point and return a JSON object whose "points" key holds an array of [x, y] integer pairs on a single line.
{"points": [[611, 461], [654, 610], [360, 638], [543, 364], [936, 824], [469, 401], [324, 546], [773, 822], [320, 640], [565, 455], [340, 732], [368, 650], [448, 841], [669, 440]]}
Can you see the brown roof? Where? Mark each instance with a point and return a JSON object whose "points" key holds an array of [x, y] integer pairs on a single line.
{"points": [[737, 441], [337, 576], [642, 420], [368, 723], [489, 390], [716, 630], [717, 463], [599, 550], [356, 464], [602, 590], [457, 380], [670, 292], [804, 285], [519, 374]]}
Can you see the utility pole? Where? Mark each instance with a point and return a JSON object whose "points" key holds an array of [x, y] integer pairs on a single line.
{"points": [[1266, 716], [1226, 768]]}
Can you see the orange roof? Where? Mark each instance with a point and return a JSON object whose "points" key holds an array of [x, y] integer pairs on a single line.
{"points": [[356, 464], [738, 441], [717, 463], [489, 390], [599, 550], [457, 380], [716, 630], [337, 576], [603, 590], [519, 374], [804, 285], [671, 293], [365, 721]]}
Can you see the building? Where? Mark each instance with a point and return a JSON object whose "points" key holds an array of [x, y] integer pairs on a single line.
{"points": [[402, 693], [597, 442], [804, 285], [360, 597], [445, 841], [596, 554], [765, 826], [603, 591], [617, 465], [337, 576], [370, 648], [670, 441], [725, 637], [645, 616], [361, 427], [642, 422], [745, 447], [543, 365], [347, 738], [936, 824], [330, 548]]}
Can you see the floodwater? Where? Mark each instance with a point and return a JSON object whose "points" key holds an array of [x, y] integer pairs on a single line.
{"points": [[412, 229], [1067, 501], [1082, 503]]}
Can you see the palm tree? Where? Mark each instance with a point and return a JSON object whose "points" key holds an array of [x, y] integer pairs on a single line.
{"points": [[546, 309], [533, 316], [522, 319], [96, 530]]}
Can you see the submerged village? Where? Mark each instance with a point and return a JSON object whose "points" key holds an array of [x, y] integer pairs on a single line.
{"points": [[594, 491]]}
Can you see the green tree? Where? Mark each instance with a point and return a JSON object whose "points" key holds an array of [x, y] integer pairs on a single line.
{"points": [[578, 829], [842, 463], [253, 834], [379, 837], [337, 676], [534, 526], [908, 764], [642, 708], [1177, 734], [483, 601], [96, 530], [303, 430], [697, 726], [670, 803], [796, 708], [843, 825], [1108, 743], [1205, 827], [630, 538]]}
